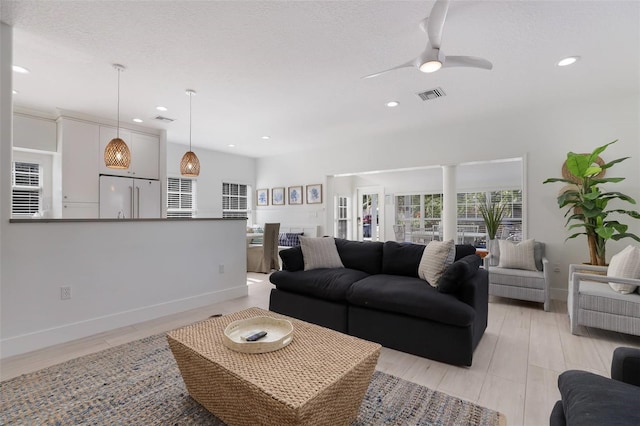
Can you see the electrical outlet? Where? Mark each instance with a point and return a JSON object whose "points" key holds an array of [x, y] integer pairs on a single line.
{"points": [[65, 293], [221, 269], [556, 267]]}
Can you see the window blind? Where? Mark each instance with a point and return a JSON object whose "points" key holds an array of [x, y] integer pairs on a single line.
{"points": [[235, 200], [181, 197], [26, 188]]}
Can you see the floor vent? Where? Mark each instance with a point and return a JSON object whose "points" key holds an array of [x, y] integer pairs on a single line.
{"points": [[427, 95], [164, 119]]}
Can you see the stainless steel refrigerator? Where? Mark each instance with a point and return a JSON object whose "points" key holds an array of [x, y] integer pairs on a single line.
{"points": [[128, 198]]}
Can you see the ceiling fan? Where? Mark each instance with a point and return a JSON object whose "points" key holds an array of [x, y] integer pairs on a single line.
{"points": [[432, 58]]}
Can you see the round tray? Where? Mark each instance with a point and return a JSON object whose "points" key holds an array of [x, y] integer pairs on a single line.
{"points": [[279, 335]]}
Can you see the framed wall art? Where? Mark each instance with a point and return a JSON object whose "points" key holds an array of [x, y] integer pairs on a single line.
{"points": [[295, 194], [314, 194], [262, 197], [277, 196]]}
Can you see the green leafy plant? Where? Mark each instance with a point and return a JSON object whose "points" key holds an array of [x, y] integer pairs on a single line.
{"points": [[492, 213], [587, 203]]}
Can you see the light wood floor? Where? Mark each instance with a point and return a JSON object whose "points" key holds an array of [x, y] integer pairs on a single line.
{"points": [[515, 367]]}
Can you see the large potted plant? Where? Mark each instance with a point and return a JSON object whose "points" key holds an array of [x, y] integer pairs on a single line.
{"points": [[587, 204]]}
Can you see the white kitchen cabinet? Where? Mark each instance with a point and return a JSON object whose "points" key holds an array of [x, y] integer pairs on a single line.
{"points": [[80, 210], [145, 153], [80, 155]]}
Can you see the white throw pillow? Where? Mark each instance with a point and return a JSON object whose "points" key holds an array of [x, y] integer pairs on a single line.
{"points": [[625, 264], [517, 256], [437, 256], [320, 253]]}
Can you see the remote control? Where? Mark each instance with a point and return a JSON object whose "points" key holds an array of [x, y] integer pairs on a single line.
{"points": [[256, 336], [248, 334]]}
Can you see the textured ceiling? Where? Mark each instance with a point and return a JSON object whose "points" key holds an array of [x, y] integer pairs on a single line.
{"points": [[292, 70]]}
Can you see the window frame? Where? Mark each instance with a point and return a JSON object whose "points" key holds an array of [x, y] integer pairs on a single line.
{"points": [[242, 197]]}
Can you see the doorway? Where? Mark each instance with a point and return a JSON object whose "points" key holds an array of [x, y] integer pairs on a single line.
{"points": [[370, 215]]}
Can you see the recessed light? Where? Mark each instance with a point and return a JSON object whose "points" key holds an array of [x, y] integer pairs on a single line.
{"points": [[161, 108], [393, 104], [14, 91], [137, 120], [231, 145], [266, 137], [20, 70], [568, 61]]}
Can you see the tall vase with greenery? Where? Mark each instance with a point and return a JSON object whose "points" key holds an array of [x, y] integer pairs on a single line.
{"points": [[587, 203], [492, 213]]}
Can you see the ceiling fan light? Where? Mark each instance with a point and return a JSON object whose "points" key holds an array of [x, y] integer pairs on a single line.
{"points": [[431, 66], [117, 154]]}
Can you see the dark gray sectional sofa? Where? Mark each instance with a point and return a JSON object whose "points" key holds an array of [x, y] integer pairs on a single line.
{"points": [[378, 296]]}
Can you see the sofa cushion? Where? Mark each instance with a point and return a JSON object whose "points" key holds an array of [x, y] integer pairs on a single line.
{"points": [[401, 259], [361, 255], [599, 297], [458, 273], [625, 264], [328, 284], [517, 256], [463, 250], [590, 399], [292, 259], [409, 296], [436, 258], [320, 253]]}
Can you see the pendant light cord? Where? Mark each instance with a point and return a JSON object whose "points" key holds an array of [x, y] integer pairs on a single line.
{"points": [[118, 128], [190, 96]]}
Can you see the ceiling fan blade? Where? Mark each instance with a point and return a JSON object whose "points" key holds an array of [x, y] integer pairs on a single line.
{"points": [[435, 22], [409, 64], [466, 61]]}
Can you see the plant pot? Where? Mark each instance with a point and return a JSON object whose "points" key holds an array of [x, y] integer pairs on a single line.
{"points": [[494, 250]]}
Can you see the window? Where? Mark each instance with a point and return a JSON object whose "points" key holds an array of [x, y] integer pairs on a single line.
{"points": [[235, 200], [26, 185], [342, 217], [423, 212], [181, 197]]}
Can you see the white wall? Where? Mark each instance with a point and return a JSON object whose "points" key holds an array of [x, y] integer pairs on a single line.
{"points": [[215, 168], [120, 273], [542, 135]]}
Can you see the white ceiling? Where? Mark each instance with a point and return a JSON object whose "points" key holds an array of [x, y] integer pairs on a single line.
{"points": [[292, 70]]}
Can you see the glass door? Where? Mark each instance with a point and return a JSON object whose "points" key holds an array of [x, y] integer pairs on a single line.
{"points": [[369, 216]]}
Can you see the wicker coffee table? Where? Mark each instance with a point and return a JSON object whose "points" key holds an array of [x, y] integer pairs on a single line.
{"points": [[320, 378]]}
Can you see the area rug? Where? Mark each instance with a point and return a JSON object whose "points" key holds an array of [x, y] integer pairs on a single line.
{"points": [[139, 384]]}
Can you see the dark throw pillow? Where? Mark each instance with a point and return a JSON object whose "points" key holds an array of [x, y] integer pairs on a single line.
{"points": [[459, 272], [292, 259]]}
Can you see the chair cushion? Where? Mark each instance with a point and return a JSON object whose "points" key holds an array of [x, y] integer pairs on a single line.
{"points": [[590, 399], [320, 253], [625, 264], [598, 296], [517, 256], [458, 273], [361, 255], [401, 259], [436, 258], [328, 284], [516, 277], [289, 239], [409, 296]]}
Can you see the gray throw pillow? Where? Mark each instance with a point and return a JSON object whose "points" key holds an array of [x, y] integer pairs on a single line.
{"points": [[320, 253]]}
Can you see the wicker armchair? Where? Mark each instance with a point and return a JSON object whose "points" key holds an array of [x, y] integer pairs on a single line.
{"points": [[593, 303]]}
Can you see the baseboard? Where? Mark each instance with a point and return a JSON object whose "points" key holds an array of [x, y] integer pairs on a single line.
{"points": [[559, 294], [52, 336]]}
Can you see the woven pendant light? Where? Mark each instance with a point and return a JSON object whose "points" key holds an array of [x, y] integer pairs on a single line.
{"points": [[117, 154], [190, 165]]}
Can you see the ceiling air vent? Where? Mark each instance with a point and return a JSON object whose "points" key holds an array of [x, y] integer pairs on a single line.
{"points": [[164, 119], [427, 95]]}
